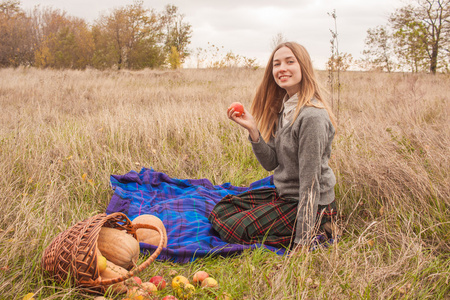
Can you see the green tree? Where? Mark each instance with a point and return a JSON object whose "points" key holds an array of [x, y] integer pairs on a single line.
{"points": [[129, 37], [420, 32], [378, 49], [111, 37], [145, 37], [177, 32], [409, 38], [61, 41], [16, 43], [174, 58], [417, 38]]}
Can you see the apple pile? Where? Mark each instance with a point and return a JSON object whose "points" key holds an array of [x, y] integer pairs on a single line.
{"points": [[184, 289], [181, 286], [202, 278], [138, 290]]}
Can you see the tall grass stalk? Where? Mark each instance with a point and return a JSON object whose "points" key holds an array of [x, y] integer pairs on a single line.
{"points": [[63, 133]]}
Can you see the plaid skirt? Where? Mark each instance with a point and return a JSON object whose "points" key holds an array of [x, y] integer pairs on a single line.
{"points": [[260, 216]]}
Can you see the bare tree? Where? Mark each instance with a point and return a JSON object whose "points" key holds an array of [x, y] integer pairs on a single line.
{"points": [[436, 17], [279, 38], [334, 65]]}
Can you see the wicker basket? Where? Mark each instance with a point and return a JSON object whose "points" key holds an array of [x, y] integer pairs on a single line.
{"points": [[72, 255]]}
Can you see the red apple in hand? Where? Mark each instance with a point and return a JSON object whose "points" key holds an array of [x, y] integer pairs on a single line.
{"points": [[237, 107], [158, 281]]}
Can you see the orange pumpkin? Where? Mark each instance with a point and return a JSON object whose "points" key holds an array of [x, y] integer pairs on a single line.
{"points": [[150, 236], [118, 247]]}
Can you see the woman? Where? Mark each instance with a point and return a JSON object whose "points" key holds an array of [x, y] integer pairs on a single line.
{"points": [[291, 131]]}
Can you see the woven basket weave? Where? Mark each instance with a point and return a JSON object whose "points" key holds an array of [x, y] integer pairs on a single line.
{"points": [[72, 255]]}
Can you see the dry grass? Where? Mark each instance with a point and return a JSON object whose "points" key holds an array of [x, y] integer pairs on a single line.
{"points": [[63, 133]]}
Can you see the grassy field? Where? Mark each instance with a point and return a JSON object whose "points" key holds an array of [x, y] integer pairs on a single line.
{"points": [[63, 133]]}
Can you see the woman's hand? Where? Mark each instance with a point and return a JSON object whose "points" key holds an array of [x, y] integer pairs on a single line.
{"points": [[246, 120]]}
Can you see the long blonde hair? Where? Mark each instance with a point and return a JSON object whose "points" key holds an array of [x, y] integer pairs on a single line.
{"points": [[269, 96]]}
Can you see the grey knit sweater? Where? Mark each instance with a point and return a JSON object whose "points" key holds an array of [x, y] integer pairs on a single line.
{"points": [[299, 156]]}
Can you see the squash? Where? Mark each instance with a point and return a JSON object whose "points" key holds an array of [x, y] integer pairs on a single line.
{"points": [[114, 271], [150, 236], [118, 247]]}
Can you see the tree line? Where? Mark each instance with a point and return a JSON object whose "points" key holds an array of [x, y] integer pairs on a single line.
{"points": [[416, 39], [130, 37]]}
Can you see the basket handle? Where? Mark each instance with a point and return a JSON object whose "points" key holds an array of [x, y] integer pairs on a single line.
{"points": [[142, 266]]}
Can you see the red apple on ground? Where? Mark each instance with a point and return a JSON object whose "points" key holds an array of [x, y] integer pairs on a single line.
{"points": [[170, 297], [199, 277], [149, 287], [179, 281], [158, 281], [137, 279], [210, 282], [133, 281], [237, 107]]}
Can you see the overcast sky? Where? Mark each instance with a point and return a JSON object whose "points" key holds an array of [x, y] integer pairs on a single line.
{"points": [[247, 27]]}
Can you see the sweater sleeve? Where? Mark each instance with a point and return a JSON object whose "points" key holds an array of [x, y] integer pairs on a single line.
{"points": [[265, 153], [312, 138]]}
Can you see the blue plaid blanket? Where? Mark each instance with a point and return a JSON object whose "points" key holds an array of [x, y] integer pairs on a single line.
{"points": [[183, 205]]}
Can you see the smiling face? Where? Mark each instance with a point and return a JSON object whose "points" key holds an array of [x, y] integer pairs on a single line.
{"points": [[286, 70]]}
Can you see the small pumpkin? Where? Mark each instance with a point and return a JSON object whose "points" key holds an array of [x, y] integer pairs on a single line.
{"points": [[118, 247], [114, 271], [150, 236]]}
